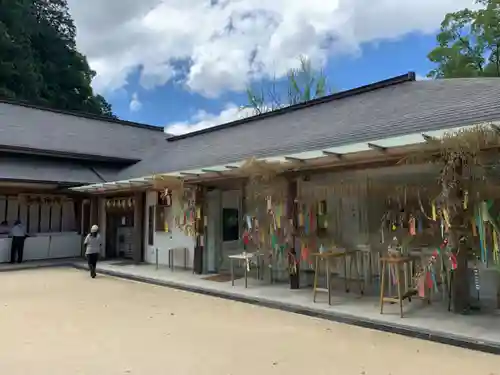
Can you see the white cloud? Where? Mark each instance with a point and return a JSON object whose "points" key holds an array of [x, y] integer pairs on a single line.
{"points": [[135, 104], [421, 77], [234, 41], [202, 119]]}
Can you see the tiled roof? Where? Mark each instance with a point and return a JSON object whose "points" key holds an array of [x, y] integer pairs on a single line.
{"points": [[395, 110], [30, 127]]}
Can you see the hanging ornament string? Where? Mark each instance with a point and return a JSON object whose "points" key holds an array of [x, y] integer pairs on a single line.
{"points": [[496, 249]]}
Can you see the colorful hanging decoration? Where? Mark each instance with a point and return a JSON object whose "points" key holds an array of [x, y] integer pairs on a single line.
{"points": [[496, 249], [412, 226]]}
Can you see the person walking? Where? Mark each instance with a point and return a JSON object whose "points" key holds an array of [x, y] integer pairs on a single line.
{"points": [[18, 234], [93, 246]]}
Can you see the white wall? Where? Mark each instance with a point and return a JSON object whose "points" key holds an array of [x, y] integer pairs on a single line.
{"points": [[45, 246], [164, 241]]}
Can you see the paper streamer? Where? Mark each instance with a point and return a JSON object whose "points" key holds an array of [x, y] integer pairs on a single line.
{"points": [[421, 287], [434, 281], [411, 224], [474, 228], [496, 249], [301, 219], [420, 225], [304, 252]]}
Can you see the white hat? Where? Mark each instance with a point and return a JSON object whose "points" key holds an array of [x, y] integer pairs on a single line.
{"points": [[94, 229]]}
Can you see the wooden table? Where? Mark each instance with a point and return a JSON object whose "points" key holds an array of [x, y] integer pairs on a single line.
{"points": [[247, 257], [327, 257], [399, 263]]}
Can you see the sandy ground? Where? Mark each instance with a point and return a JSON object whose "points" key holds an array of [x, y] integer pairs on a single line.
{"points": [[59, 321]]}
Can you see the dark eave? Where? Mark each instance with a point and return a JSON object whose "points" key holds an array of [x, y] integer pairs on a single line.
{"points": [[408, 77]]}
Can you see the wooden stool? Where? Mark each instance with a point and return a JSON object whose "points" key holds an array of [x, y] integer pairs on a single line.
{"points": [[327, 257], [322, 257], [353, 261], [400, 264]]}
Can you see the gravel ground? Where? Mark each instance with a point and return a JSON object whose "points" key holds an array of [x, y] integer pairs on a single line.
{"points": [[59, 321]]}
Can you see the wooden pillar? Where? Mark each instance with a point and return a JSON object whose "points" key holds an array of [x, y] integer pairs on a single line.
{"points": [[291, 209], [139, 235], [200, 230], [94, 212], [244, 208]]}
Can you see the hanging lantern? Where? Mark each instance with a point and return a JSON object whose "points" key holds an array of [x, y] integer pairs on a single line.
{"points": [[129, 202], [108, 203]]}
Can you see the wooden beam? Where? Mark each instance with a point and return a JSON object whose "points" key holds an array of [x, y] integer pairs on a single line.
{"points": [[211, 171], [329, 153], [290, 158], [138, 183], [377, 147], [428, 138]]}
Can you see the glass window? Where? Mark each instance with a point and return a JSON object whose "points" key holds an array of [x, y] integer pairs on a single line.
{"points": [[230, 224]]}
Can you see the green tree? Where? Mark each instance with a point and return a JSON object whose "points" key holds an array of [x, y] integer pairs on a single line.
{"points": [[302, 84], [468, 46], [39, 61], [469, 43]]}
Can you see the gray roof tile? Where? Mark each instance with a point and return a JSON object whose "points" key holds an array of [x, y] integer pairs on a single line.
{"points": [[59, 171], [30, 127], [410, 107]]}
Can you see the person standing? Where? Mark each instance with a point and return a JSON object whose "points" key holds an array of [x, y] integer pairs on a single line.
{"points": [[18, 234], [93, 246]]}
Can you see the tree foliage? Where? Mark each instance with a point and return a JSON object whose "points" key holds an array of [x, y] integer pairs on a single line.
{"points": [[39, 61], [302, 84], [469, 43]]}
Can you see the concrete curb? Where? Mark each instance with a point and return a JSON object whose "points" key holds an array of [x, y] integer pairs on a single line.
{"points": [[423, 334], [36, 266]]}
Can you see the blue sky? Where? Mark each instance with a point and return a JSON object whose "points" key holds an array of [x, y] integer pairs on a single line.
{"points": [[185, 64], [377, 61]]}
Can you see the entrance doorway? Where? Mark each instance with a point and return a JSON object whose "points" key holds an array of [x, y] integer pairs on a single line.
{"points": [[120, 234]]}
